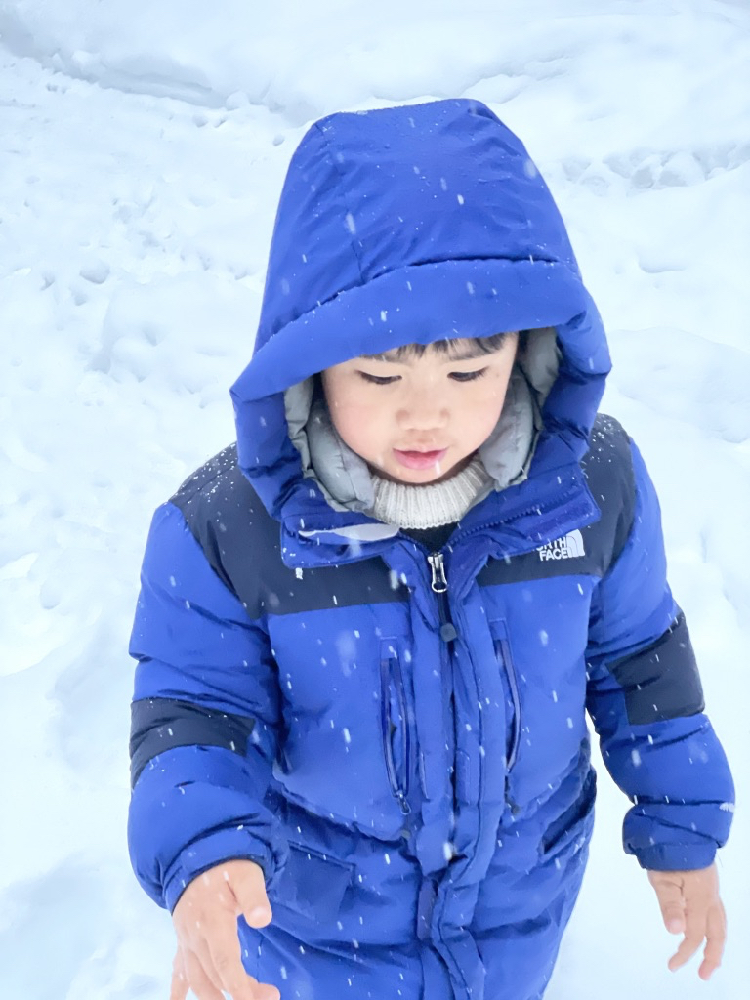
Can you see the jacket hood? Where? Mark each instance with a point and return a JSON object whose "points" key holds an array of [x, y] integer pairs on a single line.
{"points": [[410, 225]]}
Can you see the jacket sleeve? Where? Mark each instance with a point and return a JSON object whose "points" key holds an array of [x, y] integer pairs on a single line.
{"points": [[204, 721], [645, 699]]}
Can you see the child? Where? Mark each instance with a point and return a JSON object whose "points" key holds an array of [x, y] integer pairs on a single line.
{"points": [[369, 632]]}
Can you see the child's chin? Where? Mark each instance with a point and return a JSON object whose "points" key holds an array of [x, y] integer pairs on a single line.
{"points": [[416, 480], [414, 477]]}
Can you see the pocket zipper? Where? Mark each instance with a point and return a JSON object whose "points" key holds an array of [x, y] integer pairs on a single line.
{"points": [[505, 658], [398, 771]]}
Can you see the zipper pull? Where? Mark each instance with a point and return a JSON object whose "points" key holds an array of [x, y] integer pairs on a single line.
{"points": [[403, 804], [440, 586], [439, 582]]}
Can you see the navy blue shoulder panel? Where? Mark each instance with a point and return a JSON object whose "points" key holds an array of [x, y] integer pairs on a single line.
{"points": [[241, 542], [608, 467], [218, 501]]}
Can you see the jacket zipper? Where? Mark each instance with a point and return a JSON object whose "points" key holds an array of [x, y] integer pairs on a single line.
{"points": [[448, 633], [440, 587], [398, 771]]}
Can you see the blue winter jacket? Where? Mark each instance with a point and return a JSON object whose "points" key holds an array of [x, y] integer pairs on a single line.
{"points": [[410, 763]]}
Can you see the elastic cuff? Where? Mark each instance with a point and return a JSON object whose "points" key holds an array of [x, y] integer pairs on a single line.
{"points": [[676, 857], [223, 845]]}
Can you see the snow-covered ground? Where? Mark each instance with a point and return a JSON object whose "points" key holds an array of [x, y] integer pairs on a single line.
{"points": [[142, 147]]}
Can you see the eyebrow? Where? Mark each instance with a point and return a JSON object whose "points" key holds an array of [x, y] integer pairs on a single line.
{"points": [[398, 356]]}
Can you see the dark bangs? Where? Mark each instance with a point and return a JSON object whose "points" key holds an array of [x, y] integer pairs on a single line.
{"points": [[466, 347]]}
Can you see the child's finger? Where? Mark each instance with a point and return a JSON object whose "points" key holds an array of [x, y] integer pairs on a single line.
{"points": [[716, 936], [267, 992], [694, 937], [200, 951], [684, 953], [240, 986], [179, 987], [200, 984], [672, 905], [249, 887], [224, 948]]}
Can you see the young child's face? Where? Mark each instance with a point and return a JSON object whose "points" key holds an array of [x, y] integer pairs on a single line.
{"points": [[419, 419]]}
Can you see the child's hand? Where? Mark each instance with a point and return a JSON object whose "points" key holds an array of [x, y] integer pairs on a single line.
{"points": [[205, 919], [691, 905]]}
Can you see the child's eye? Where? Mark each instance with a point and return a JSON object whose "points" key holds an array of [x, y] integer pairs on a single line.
{"points": [[467, 376], [378, 379]]}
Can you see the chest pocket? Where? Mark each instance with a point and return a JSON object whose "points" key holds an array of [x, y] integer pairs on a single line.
{"points": [[397, 724], [511, 690]]}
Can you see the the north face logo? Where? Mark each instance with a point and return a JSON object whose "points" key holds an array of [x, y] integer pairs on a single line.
{"points": [[570, 546]]}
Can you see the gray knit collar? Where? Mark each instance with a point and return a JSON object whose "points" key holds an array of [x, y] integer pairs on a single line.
{"points": [[431, 504]]}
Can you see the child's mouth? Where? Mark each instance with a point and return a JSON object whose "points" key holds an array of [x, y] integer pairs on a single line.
{"points": [[419, 459]]}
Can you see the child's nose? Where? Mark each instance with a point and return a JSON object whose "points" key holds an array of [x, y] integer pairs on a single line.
{"points": [[424, 413]]}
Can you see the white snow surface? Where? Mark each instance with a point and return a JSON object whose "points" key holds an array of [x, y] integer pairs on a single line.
{"points": [[142, 148]]}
